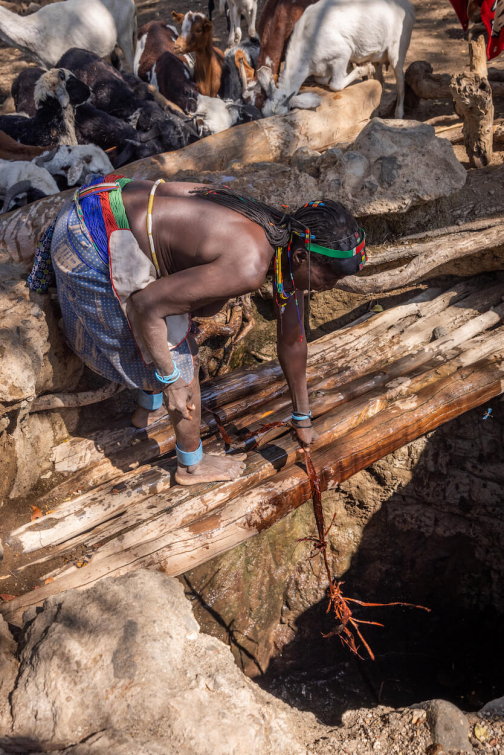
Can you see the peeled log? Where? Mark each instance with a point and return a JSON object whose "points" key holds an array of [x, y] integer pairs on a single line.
{"points": [[247, 514], [269, 140], [427, 257], [472, 94]]}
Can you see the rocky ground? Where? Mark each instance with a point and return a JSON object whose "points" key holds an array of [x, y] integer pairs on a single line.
{"points": [[122, 667]]}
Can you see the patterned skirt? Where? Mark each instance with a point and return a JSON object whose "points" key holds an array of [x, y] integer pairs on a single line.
{"points": [[96, 327]]}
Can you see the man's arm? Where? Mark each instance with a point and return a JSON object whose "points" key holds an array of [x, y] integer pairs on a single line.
{"points": [[292, 351]]}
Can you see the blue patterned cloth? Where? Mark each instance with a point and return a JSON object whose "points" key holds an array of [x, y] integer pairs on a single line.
{"points": [[42, 277], [95, 325]]}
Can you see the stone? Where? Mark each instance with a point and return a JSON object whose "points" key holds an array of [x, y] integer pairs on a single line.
{"points": [[494, 707], [273, 183], [306, 160], [34, 358], [8, 673], [438, 332], [127, 656], [449, 727], [390, 167]]}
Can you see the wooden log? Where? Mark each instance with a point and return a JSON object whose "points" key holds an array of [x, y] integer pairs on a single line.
{"points": [[247, 514], [269, 140], [424, 84], [82, 398], [342, 346], [79, 515], [472, 94], [427, 257], [180, 507]]}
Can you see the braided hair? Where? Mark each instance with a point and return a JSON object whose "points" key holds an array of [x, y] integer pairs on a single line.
{"points": [[329, 222]]}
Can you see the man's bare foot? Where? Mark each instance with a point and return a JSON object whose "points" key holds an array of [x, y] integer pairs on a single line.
{"points": [[211, 469], [143, 417]]}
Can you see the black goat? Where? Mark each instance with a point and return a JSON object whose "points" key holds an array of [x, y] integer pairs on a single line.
{"points": [[113, 95], [56, 93], [23, 90]]}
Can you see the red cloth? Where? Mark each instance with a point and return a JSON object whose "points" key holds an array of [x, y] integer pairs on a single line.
{"points": [[492, 15]]}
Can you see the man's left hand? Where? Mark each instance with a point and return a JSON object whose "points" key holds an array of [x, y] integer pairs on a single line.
{"points": [[304, 435]]}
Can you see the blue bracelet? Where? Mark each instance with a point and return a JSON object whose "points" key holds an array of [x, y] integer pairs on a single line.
{"points": [[169, 379], [297, 417], [188, 458], [150, 401]]}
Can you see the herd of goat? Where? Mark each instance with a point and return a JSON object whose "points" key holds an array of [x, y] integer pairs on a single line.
{"points": [[75, 113]]}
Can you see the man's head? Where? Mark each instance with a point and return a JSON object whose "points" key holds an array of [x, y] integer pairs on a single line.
{"points": [[335, 236]]}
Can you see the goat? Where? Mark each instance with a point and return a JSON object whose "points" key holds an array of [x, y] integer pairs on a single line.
{"points": [[333, 33], [156, 63], [236, 8], [95, 25], [71, 165], [24, 178], [114, 96], [196, 36], [275, 26], [238, 70], [23, 88], [213, 114], [155, 38], [56, 94]]}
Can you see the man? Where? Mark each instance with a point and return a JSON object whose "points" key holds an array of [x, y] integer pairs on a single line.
{"points": [[131, 267]]}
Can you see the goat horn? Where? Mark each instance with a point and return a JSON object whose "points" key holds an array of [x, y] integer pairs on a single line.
{"points": [[44, 158], [15, 189]]}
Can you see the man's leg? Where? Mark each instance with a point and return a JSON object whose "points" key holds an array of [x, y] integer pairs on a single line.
{"points": [[210, 468], [143, 417]]}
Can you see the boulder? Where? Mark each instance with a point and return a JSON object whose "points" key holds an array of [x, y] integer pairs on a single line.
{"points": [[127, 656], [449, 727], [34, 358], [390, 167], [8, 673]]}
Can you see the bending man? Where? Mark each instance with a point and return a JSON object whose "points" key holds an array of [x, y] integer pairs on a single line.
{"points": [[134, 259]]}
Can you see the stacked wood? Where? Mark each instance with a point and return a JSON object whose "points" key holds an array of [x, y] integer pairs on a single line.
{"points": [[472, 95], [374, 386], [339, 118]]}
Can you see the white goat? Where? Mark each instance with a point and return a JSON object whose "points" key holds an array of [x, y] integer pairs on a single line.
{"points": [[333, 33], [213, 115], [236, 8], [75, 163], [21, 177], [95, 25]]}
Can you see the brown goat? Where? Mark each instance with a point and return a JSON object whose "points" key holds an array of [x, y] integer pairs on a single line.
{"points": [[276, 24], [196, 36]]}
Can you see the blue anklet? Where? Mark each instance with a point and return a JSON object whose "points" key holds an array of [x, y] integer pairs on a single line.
{"points": [[189, 458], [150, 401]]}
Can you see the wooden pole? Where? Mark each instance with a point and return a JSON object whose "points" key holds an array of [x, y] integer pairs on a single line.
{"points": [[472, 94]]}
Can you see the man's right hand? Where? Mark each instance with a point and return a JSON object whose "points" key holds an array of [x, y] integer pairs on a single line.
{"points": [[178, 398]]}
